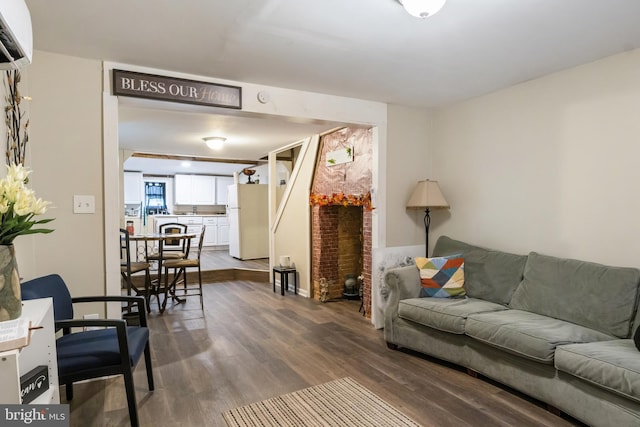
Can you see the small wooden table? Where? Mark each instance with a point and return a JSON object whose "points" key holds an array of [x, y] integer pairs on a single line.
{"points": [[157, 286], [284, 278]]}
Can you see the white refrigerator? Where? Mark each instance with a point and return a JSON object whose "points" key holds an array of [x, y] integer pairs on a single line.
{"points": [[248, 213]]}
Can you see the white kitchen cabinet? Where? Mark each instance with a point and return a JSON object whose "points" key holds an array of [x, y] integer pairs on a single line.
{"points": [[211, 231], [223, 230], [194, 190], [222, 184], [203, 190], [133, 188], [41, 351], [182, 189], [217, 231], [193, 223]]}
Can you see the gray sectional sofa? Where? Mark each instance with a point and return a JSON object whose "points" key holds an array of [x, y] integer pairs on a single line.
{"points": [[555, 329]]}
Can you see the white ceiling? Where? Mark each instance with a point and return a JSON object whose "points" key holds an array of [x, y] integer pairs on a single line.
{"points": [[146, 127], [369, 49]]}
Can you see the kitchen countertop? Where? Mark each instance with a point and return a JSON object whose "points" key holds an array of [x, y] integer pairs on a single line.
{"points": [[181, 215]]}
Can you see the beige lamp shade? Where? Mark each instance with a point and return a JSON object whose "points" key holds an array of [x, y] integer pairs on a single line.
{"points": [[427, 194]]}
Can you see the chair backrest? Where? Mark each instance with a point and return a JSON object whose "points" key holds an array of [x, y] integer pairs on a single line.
{"points": [[176, 245], [201, 241], [125, 248], [50, 286]]}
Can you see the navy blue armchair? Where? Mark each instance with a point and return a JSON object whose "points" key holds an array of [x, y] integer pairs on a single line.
{"points": [[113, 349]]}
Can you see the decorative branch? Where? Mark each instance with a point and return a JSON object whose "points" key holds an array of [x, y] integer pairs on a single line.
{"points": [[14, 115]]}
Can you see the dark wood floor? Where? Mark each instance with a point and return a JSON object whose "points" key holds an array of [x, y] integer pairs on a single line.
{"points": [[218, 259], [251, 344]]}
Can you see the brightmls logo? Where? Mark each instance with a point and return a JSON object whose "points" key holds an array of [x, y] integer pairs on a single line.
{"points": [[27, 416], [36, 415]]}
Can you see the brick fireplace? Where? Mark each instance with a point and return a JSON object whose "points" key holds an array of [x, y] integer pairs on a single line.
{"points": [[341, 216]]}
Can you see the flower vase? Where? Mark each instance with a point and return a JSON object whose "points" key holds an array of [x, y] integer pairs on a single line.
{"points": [[10, 301]]}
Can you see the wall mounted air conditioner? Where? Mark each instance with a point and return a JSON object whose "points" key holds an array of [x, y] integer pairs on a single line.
{"points": [[16, 37]]}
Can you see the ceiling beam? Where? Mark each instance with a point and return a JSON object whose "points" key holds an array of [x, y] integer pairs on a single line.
{"points": [[195, 158]]}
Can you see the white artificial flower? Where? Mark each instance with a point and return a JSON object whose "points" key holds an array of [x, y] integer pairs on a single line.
{"points": [[19, 205]]}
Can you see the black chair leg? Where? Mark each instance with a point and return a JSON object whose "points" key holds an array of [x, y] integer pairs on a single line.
{"points": [[183, 271], [157, 292], [131, 398], [200, 286], [147, 364], [174, 284], [147, 289], [69, 391]]}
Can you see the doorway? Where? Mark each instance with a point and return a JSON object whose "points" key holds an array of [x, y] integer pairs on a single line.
{"points": [[292, 106]]}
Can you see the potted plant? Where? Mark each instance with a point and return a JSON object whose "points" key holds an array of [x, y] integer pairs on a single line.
{"points": [[18, 208]]}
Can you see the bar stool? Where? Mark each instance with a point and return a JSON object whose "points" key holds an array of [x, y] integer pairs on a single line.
{"points": [[128, 268]]}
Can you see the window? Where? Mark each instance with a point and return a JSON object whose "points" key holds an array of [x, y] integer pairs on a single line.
{"points": [[155, 196]]}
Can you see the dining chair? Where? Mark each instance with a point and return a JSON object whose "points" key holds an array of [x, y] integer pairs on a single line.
{"points": [[113, 349], [180, 266], [172, 248], [128, 268]]}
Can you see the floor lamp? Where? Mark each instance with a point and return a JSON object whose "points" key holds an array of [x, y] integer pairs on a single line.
{"points": [[425, 196]]}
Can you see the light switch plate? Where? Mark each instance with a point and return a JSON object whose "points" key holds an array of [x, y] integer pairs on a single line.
{"points": [[84, 204]]}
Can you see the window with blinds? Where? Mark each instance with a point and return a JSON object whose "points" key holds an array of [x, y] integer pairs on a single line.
{"points": [[155, 197]]}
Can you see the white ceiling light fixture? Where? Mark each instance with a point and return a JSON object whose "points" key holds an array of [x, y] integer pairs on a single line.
{"points": [[214, 142], [422, 8]]}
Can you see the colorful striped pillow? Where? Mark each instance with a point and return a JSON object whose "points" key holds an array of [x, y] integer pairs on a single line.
{"points": [[442, 277]]}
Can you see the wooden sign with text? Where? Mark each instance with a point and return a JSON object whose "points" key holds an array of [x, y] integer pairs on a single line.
{"points": [[150, 86]]}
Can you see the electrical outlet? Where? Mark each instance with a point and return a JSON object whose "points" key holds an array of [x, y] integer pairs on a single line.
{"points": [[84, 204], [91, 316]]}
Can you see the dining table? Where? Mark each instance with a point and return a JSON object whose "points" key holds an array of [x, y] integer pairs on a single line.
{"points": [[143, 241]]}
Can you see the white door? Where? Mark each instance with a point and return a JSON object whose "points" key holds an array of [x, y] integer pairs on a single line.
{"points": [[234, 232], [232, 196], [223, 233]]}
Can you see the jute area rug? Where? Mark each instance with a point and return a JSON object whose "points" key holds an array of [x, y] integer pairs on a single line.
{"points": [[342, 402]]}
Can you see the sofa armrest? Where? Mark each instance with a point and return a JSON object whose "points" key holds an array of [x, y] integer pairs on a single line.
{"points": [[399, 283]]}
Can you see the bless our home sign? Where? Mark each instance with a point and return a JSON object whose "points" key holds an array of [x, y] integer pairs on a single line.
{"points": [[162, 88]]}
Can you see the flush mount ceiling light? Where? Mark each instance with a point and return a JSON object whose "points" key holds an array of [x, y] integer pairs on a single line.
{"points": [[214, 142], [422, 8]]}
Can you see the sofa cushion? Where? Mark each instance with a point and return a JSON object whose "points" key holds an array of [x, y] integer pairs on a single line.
{"points": [[447, 315], [585, 293], [441, 277], [614, 365], [528, 334], [489, 275]]}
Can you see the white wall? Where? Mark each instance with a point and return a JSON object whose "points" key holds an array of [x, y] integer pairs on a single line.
{"points": [[550, 165], [408, 162], [66, 158], [291, 222], [282, 172]]}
